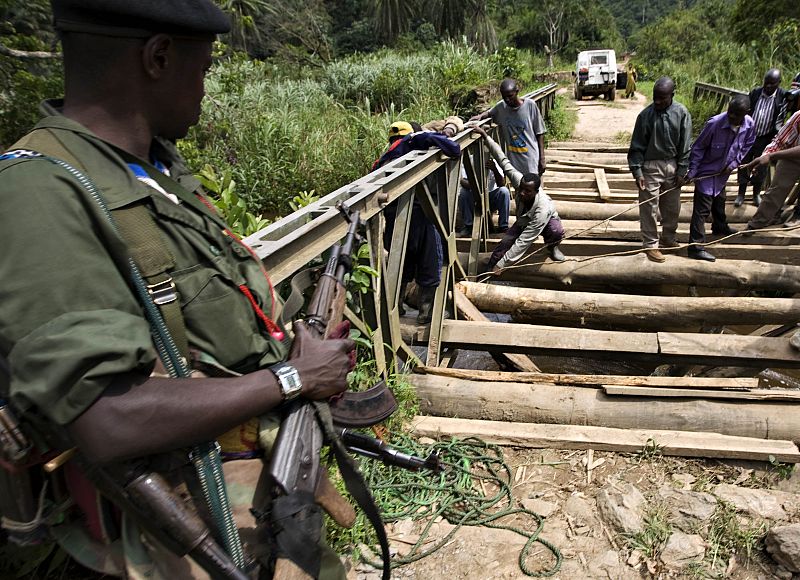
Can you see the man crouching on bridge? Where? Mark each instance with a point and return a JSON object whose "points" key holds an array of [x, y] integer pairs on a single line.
{"points": [[536, 215]]}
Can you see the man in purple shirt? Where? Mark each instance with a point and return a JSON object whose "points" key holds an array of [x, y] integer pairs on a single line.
{"points": [[719, 150]]}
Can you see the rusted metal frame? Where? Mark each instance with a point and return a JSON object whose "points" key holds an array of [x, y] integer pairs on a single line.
{"points": [[395, 258], [721, 95], [287, 245], [373, 308]]}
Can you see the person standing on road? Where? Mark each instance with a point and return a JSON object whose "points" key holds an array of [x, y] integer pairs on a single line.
{"points": [[658, 158], [630, 81], [766, 108], [523, 127], [718, 150]]}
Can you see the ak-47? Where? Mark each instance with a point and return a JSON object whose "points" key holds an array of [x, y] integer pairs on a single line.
{"points": [[300, 481]]}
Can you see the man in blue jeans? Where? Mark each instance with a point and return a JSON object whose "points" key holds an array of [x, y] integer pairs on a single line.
{"points": [[499, 200]]}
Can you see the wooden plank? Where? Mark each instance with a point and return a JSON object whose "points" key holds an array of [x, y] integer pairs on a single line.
{"points": [[637, 271], [529, 337], [588, 147], [594, 380], [678, 443], [753, 395], [602, 183], [731, 346], [755, 351], [578, 248], [468, 310]]}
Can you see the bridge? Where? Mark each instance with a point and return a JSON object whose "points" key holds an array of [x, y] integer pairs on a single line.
{"points": [[606, 350]]}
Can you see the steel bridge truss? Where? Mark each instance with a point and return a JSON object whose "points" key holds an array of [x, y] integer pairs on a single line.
{"points": [[288, 245]]}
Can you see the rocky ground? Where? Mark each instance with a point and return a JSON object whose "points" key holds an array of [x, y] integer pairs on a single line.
{"points": [[626, 516]]}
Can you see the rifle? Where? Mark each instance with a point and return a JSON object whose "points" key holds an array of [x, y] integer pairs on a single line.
{"points": [[300, 481]]}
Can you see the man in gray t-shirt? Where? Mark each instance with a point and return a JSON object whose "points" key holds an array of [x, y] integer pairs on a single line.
{"points": [[522, 126]]}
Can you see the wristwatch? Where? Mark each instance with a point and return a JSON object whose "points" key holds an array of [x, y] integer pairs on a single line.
{"points": [[288, 380]]}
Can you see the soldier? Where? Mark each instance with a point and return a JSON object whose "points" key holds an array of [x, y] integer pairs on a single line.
{"points": [[79, 348]]}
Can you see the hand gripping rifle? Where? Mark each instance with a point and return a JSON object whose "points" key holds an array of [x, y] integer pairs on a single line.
{"points": [[300, 481]]}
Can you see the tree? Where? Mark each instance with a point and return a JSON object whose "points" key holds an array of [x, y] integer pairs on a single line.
{"points": [[557, 34], [752, 18], [394, 17], [244, 15]]}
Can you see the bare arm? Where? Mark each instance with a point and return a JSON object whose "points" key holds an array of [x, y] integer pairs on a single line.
{"points": [[792, 153], [540, 141], [134, 418]]}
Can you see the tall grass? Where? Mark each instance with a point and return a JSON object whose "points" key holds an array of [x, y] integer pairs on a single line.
{"points": [[280, 135]]}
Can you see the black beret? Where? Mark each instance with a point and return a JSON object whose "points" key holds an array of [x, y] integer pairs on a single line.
{"points": [[140, 18]]}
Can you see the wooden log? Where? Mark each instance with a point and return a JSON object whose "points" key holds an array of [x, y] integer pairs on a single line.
{"points": [[580, 248], [678, 443], [753, 394], [629, 230], [637, 270], [588, 308], [594, 380], [661, 347], [469, 312], [589, 147], [525, 403], [584, 210]]}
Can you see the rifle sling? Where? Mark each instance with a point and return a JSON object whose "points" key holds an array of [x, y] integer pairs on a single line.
{"points": [[151, 254], [354, 482]]}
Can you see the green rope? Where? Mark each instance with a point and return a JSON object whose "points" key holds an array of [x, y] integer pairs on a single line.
{"points": [[456, 495]]}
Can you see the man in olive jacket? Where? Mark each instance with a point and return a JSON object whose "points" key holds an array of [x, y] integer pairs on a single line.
{"points": [[79, 348]]}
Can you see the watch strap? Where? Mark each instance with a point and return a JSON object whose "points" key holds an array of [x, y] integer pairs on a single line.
{"points": [[288, 380]]}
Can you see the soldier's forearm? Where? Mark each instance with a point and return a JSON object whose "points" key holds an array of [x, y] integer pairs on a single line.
{"points": [[158, 415]]}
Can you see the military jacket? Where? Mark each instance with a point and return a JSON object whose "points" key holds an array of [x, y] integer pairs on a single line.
{"points": [[69, 320]]}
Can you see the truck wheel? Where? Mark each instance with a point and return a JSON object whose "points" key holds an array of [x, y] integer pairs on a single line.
{"points": [[611, 94]]}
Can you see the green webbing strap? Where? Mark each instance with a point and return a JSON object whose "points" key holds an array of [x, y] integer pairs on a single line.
{"points": [[149, 250]]}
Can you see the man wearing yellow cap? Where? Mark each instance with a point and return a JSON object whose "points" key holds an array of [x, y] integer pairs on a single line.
{"points": [[424, 255]]}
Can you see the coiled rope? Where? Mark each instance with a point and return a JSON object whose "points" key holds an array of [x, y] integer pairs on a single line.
{"points": [[458, 495]]}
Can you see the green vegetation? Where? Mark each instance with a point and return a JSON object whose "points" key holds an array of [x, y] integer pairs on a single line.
{"points": [[727, 535], [712, 49], [280, 135], [655, 533]]}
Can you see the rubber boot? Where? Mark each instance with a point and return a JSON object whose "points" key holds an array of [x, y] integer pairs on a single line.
{"points": [[426, 296], [740, 197], [556, 254]]}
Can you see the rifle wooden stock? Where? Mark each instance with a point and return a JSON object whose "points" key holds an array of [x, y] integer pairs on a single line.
{"points": [[285, 569], [329, 499]]}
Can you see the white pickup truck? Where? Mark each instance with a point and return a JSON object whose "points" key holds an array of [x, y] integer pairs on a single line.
{"points": [[596, 74]]}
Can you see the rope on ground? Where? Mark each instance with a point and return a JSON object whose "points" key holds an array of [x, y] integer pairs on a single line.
{"points": [[459, 495]]}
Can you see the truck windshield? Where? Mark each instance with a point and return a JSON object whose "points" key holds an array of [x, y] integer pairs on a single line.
{"points": [[599, 59]]}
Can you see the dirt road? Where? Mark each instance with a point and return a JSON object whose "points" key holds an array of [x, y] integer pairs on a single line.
{"points": [[601, 120]]}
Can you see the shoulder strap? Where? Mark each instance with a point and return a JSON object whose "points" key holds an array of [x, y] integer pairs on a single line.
{"points": [[150, 252]]}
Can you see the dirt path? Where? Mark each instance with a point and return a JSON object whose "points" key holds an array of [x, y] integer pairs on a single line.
{"points": [[600, 120]]}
